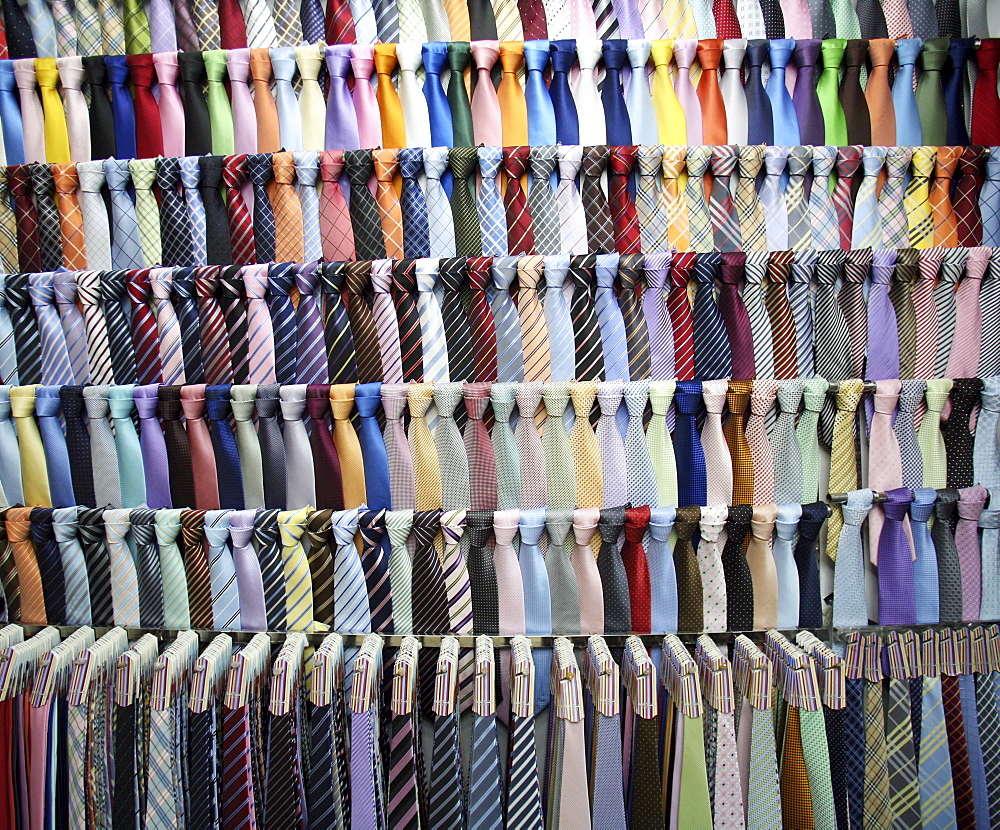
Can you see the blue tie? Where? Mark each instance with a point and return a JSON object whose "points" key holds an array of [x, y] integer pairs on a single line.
{"points": [[122, 108], [47, 410], [542, 129], [904, 102], [413, 203], [280, 279], [712, 358], [609, 319], [662, 577], [692, 483], [219, 407], [10, 115], [537, 601], [958, 54], [925, 569], [567, 120], [989, 199], [368, 400], [761, 128], [435, 57], [616, 116], [313, 21], [786, 122]]}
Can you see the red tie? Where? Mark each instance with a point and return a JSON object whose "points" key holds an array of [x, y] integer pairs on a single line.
{"points": [[233, 29], [965, 201], [727, 24], [681, 316], [145, 335], [481, 324], [234, 175], [848, 162], [637, 568], [29, 252], [520, 236], [533, 19], [339, 22], [148, 136], [713, 108], [623, 213], [334, 216], [986, 104]]}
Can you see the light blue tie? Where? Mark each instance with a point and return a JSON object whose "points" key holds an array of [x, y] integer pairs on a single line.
{"points": [[641, 474], [10, 457], [47, 411], [435, 349], [43, 28], [989, 198], [557, 318], [435, 57], [510, 361], [441, 224], [73, 326], [786, 122], [867, 232], [541, 113], [131, 472], [786, 529], [609, 799], [10, 115], [537, 602], [8, 353], [492, 220], [986, 453], [799, 297], [638, 99], [307, 173], [937, 800], [822, 213], [849, 607], [609, 319], [773, 199], [222, 572], [989, 523], [190, 179], [904, 102], [925, 569], [977, 769], [74, 566], [289, 117], [126, 249], [662, 577], [56, 366], [485, 802], [350, 594]]}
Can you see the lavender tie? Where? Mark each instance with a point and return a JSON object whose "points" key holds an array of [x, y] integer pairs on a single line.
{"points": [[897, 603], [154, 447]]}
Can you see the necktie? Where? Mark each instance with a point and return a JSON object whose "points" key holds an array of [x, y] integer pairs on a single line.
{"points": [[713, 442], [329, 480], [301, 476], [805, 98], [153, 447], [363, 208], [959, 52], [335, 220], [56, 365], [843, 471], [786, 123], [851, 299], [930, 92], [178, 447], [9, 226], [146, 209], [48, 217], [965, 198], [908, 128]]}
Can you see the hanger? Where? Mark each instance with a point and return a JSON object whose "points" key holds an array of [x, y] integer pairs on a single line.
{"points": [[979, 660], [285, 673], [446, 677], [327, 670], [680, 677], [829, 667], [640, 679], [484, 688], [522, 678], [172, 668], [929, 652], [796, 674], [404, 677], [603, 677], [753, 672], [52, 676], [365, 687], [993, 646], [9, 635], [963, 650], [567, 688], [947, 653], [133, 668], [209, 672], [20, 661], [245, 670], [715, 674], [95, 665]]}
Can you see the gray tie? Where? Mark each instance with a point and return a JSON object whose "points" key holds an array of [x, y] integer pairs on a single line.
{"points": [[563, 588], [298, 454], [126, 247], [542, 200], [455, 491], [96, 229], [760, 322], [850, 609], [787, 461], [242, 398], [103, 453]]}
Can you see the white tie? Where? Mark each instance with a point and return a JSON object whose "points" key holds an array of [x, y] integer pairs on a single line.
{"points": [[431, 323], [441, 224], [732, 90], [411, 96], [589, 108]]}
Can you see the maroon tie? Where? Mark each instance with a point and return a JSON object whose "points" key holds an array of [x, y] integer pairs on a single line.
{"points": [[958, 747], [637, 568], [727, 24], [624, 218], [965, 199], [986, 104], [29, 252], [848, 162], [339, 22], [148, 136], [734, 315], [145, 336], [533, 19], [233, 28], [329, 483], [520, 236], [681, 315]]}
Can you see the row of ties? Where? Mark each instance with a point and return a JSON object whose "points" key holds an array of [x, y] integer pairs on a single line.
{"points": [[787, 734], [48, 30], [804, 102], [509, 319], [341, 205]]}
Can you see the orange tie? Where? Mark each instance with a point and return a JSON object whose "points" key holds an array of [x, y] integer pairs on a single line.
{"points": [[345, 439], [945, 226], [289, 245], [458, 19], [878, 94], [713, 108], [70, 216], [268, 135], [29, 578], [513, 108], [390, 110], [386, 167]]}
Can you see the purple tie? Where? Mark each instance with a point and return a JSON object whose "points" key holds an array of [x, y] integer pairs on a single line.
{"points": [[249, 583], [734, 315], [341, 117], [654, 309], [883, 336], [897, 602], [312, 364], [153, 446], [805, 99]]}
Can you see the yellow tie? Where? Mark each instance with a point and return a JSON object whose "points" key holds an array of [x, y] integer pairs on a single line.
{"points": [[843, 460], [390, 110], [345, 440], [513, 107], [679, 19], [917, 198], [34, 472], [534, 335], [295, 565], [29, 577], [671, 125], [674, 161], [56, 133], [583, 444], [426, 469]]}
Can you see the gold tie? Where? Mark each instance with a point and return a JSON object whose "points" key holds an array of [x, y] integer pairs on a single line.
{"points": [[426, 469], [671, 125], [56, 132], [295, 566], [674, 161], [583, 444], [748, 206], [29, 577], [679, 19], [843, 459], [345, 440], [34, 472], [917, 198], [458, 19], [534, 335], [513, 107], [390, 110]]}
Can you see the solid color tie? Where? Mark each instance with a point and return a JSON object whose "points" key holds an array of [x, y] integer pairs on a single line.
{"points": [[329, 480], [930, 92], [301, 476]]}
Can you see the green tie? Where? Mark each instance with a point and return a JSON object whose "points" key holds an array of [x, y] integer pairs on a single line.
{"points": [[136, 28], [694, 808], [929, 436], [817, 758], [220, 113], [930, 92], [176, 609], [807, 435], [459, 55], [846, 20], [828, 90], [661, 449], [398, 524], [146, 211]]}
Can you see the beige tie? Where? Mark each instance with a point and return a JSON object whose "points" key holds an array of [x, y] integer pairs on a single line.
{"points": [[34, 472], [843, 458], [583, 444], [763, 572], [426, 469]]}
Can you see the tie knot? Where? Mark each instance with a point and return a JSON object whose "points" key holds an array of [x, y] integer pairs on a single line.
{"points": [[686, 522], [168, 173], [193, 401], [543, 161], [485, 54], [886, 396], [621, 160], [563, 55], [848, 160], [234, 171], [64, 285], [306, 167], [490, 159], [404, 276], [91, 175], [636, 393], [161, 281], [280, 278], [385, 58], [40, 289], [636, 524], [799, 159], [751, 159], [419, 398], [479, 272], [536, 55], [858, 265], [733, 268], [970, 163], [790, 395], [462, 161], [259, 169], [318, 402], [41, 180], [609, 396], [170, 402], [780, 52], [88, 287], [344, 527], [714, 393], [459, 56], [260, 65], [190, 172], [710, 54], [946, 162], [595, 160], [117, 69], [757, 53], [435, 161], [684, 53], [528, 398], [648, 159], [511, 56], [426, 526], [970, 502], [953, 265], [873, 159], [556, 396], [883, 265], [712, 523], [583, 394], [724, 159], [411, 162], [698, 159], [46, 73], [823, 159], [381, 276], [880, 51], [855, 54], [615, 54], [502, 398], [849, 394], [141, 70], [446, 398], [341, 401], [515, 161], [332, 276], [829, 266], [255, 281], [306, 279], [359, 167], [630, 271], [807, 51], [231, 283], [385, 164], [283, 167], [706, 268], [65, 177], [611, 524], [477, 398], [911, 394], [331, 165], [452, 273], [762, 398]]}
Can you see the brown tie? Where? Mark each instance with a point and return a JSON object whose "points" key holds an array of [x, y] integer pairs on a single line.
{"points": [[878, 94], [268, 134], [70, 216], [690, 605]]}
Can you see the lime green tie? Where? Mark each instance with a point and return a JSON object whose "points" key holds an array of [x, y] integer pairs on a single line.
{"points": [[34, 472], [661, 449], [220, 113], [694, 807], [828, 90], [929, 435], [136, 28]]}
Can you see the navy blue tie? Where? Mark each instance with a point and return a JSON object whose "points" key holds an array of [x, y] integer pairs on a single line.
{"points": [[712, 358], [280, 279], [692, 485], [567, 120], [761, 128], [954, 101], [122, 108], [615, 111], [413, 203], [227, 457]]}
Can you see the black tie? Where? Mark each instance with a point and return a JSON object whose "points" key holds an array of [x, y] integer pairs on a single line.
{"points": [[362, 208], [959, 440], [27, 343], [220, 250], [178, 448], [807, 562], [49, 565], [197, 126], [739, 587], [586, 329], [102, 120], [617, 606], [404, 298], [203, 768], [186, 307], [90, 527], [20, 43], [272, 449], [235, 314], [336, 324], [147, 567], [482, 574], [78, 445], [454, 281]]}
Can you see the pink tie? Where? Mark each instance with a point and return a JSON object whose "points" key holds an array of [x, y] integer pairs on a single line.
{"points": [[718, 461], [885, 467], [385, 321], [761, 401], [798, 23], [261, 335], [32, 119], [335, 227], [897, 18], [244, 115], [72, 76], [509, 586], [171, 108], [926, 316], [365, 104], [588, 578], [963, 362], [487, 126], [206, 482]]}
